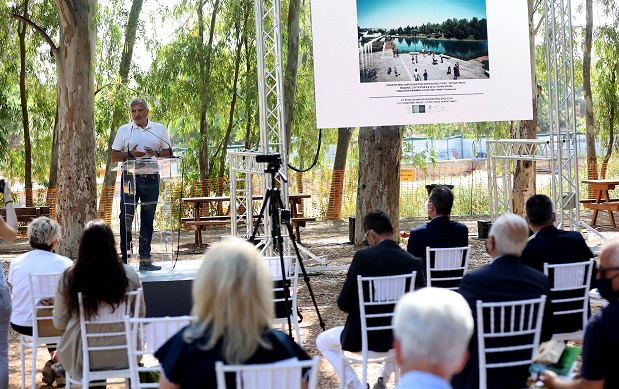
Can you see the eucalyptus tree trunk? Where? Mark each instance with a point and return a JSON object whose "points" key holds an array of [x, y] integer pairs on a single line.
{"points": [[23, 97], [592, 171], [334, 208], [292, 66], [205, 75], [380, 155], [240, 31], [77, 187], [119, 112], [611, 123], [524, 174]]}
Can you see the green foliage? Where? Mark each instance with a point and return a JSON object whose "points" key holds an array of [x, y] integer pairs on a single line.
{"points": [[41, 89]]}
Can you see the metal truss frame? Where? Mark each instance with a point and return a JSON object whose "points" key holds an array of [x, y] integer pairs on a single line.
{"points": [[562, 115], [502, 155], [243, 164], [562, 148]]}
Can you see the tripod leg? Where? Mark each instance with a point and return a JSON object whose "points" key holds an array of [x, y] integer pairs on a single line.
{"points": [[305, 276], [252, 238]]}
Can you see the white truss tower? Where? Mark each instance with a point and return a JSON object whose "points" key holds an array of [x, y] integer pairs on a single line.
{"points": [[562, 148], [562, 115], [243, 165]]}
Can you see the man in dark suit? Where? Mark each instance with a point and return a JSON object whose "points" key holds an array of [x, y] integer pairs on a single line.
{"points": [[505, 279], [384, 258], [553, 246], [440, 232], [599, 351]]}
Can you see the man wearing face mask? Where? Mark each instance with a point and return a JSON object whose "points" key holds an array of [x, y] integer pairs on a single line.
{"points": [[440, 232], [384, 258], [599, 353]]}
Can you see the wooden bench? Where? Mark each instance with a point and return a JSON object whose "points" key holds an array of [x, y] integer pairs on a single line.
{"points": [[27, 214], [585, 201], [205, 221], [604, 206]]}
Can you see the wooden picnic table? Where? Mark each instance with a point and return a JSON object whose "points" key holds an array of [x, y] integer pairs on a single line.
{"points": [[602, 200], [199, 222]]}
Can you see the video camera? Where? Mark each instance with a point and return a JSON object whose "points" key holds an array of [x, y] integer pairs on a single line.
{"points": [[274, 159]]}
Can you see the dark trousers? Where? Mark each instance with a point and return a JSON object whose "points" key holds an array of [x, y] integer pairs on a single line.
{"points": [[142, 188], [28, 331]]}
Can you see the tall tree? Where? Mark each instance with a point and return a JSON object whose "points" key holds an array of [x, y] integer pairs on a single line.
{"points": [[592, 172], [205, 74], [292, 65], [380, 154], [607, 81], [77, 187], [524, 174], [23, 97], [119, 109], [334, 208]]}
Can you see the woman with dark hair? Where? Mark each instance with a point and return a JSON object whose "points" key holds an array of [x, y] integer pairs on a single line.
{"points": [[103, 279]]}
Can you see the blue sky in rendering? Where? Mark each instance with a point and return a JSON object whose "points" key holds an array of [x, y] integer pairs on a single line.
{"points": [[402, 13]]}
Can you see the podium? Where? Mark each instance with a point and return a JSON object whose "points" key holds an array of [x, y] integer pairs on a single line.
{"points": [[146, 206]]}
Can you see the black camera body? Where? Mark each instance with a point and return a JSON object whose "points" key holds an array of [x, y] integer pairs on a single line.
{"points": [[275, 159], [2, 183]]}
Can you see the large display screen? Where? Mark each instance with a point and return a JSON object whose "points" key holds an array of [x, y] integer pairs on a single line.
{"points": [[397, 62]]}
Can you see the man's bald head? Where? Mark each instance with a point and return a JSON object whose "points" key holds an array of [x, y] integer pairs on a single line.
{"points": [[609, 256]]}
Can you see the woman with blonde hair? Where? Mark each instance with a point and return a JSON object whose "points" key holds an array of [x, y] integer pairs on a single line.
{"points": [[233, 306]]}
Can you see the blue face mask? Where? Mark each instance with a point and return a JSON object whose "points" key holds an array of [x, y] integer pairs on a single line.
{"points": [[605, 287]]}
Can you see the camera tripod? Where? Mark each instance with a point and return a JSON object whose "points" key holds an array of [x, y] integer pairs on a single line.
{"points": [[279, 215]]}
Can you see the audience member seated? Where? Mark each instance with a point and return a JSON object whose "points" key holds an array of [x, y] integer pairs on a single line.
{"points": [[233, 306], [432, 329], [505, 279], [8, 231], [599, 353], [440, 232], [384, 258], [103, 280], [43, 236], [553, 246]]}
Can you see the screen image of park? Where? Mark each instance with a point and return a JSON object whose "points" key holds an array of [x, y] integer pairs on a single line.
{"points": [[414, 40], [400, 62]]}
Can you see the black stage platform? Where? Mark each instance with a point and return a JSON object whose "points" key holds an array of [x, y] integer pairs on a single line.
{"points": [[167, 292]]}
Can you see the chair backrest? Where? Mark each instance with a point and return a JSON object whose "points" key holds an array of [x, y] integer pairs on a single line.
{"points": [[377, 299], [570, 284], [292, 277], [508, 332], [103, 336], [42, 292], [445, 267], [144, 337], [287, 374]]}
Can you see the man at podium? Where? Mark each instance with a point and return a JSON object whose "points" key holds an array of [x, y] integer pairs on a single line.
{"points": [[137, 144]]}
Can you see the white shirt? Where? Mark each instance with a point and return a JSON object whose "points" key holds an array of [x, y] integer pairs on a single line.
{"points": [[416, 379], [154, 135], [32, 262]]}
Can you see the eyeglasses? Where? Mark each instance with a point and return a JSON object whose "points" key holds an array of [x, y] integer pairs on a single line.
{"points": [[603, 271]]}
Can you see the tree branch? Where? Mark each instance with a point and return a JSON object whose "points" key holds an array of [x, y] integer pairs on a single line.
{"points": [[54, 49]]}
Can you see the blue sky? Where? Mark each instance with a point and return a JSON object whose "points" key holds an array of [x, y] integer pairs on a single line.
{"points": [[401, 13]]}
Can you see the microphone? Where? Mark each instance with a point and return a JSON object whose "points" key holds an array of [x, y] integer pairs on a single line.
{"points": [[165, 141], [129, 145]]}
